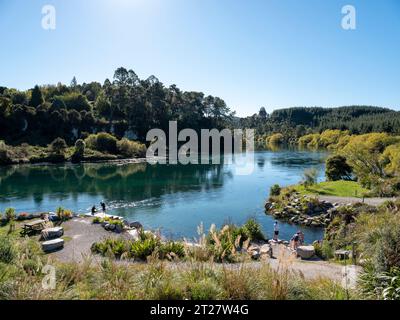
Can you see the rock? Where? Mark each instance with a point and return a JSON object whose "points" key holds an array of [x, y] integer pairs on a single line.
{"points": [[305, 252], [119, 228], [52, 233], [134, 234], [52, 245], [111, 227], [136, 225], [253, 248], [255, 255], [266, 250], [53, 217]]}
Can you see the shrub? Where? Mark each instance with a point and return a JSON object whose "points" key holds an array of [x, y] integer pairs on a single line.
{"points": [[205, 289], [58, 146], [103, 142], [7, 250], [5, 154], [141, 249], [172, 249], [275, 190], [310, 177], [130, 148], [63, 214], [79, 150], [252, 229], [10, 214]]}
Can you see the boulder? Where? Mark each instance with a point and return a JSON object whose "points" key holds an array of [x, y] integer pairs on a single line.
{"points": [[119, 228], [266, 250], [136, 225], [305, 252], [52, 233], [134, 234], [52, 245], [255, 255]]}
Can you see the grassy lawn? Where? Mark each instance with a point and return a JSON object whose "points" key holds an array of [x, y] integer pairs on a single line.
{"points": [[334, 188]]}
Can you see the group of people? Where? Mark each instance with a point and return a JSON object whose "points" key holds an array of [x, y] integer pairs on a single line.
{"points": [[102, 205], [295, 241]]}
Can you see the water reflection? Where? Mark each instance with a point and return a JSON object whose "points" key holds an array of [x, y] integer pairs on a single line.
{"points": [[174, 197]]}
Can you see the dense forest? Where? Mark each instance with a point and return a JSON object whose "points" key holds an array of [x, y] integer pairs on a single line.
{"points": [[296, 122], [126, 106], [109, 117]]}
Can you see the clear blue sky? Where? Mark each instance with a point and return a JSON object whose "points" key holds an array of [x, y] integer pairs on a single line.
{"points": [[272, 53]]}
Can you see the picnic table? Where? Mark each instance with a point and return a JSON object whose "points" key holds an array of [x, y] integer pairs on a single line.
{"points": [[33, 227]]}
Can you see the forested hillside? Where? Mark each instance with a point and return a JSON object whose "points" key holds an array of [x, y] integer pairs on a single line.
{"points": [[293, 123], [126, 106]]}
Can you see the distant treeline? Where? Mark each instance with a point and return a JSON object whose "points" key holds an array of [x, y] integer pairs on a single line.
{"points": [[129, 106], [296, 122], [126, 106]]}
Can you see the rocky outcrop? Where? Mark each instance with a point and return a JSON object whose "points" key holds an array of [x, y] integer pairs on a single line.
{"points": [[303, 210]]}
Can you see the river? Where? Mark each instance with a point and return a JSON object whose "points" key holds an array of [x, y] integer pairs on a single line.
{"points": [[172, 198]]}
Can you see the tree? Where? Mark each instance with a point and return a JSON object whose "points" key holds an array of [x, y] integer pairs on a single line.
{"points": [[79, 151], [263, 113], [74, 83], [310, 177], [37, 97], [58, 146], [337, 168]]}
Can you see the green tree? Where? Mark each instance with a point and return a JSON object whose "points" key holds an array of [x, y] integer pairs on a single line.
{"points": [[337, 168], [58, 146], [37, 97]]}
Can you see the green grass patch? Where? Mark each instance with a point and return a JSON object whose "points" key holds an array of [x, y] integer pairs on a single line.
{"points": [[334, 188]]}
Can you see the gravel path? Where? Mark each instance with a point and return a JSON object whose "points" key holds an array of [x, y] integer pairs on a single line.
{"points": [[79, 235], [347, 200]]}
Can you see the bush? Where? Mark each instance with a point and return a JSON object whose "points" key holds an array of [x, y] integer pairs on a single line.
{"points": [[10, 214], [79, 151], [63, 214], [5, 154], [130, 148], [7, 250], [58, 146], [141, 249], [337, 169], [310, 177], [252, 229], [103, 142], [275, 190], [172, 249]]}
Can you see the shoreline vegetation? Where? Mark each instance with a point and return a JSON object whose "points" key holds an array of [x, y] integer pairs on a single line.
{"points": [[108, 122]]}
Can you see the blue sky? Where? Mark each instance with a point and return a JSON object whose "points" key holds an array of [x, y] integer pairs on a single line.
{"points": [[272, 53]]}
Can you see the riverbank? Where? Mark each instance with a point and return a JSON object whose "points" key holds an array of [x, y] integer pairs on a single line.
{"points": [[93, 277]]}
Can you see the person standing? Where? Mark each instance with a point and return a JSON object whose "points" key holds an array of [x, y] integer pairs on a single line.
{"points": [[276, 231], [295, 240], [103, 206]]}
